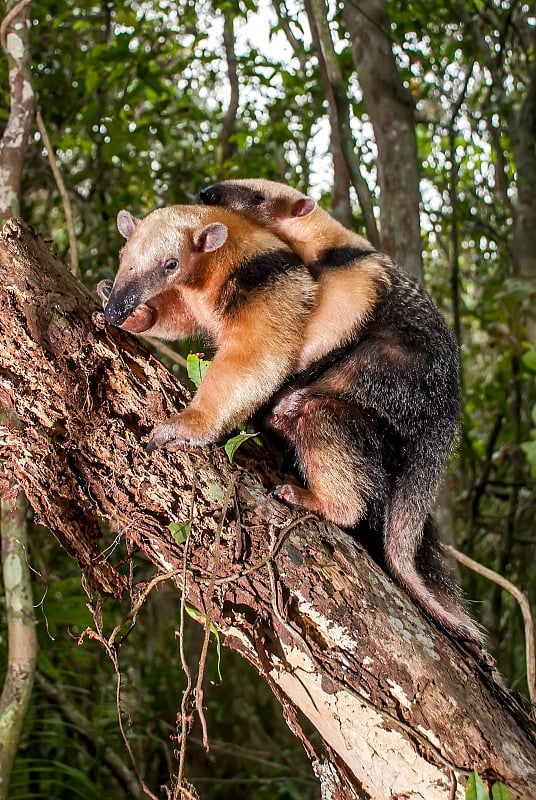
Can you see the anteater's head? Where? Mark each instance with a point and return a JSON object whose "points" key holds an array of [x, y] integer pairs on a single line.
{"points": [[269, 203], [168, 249]]}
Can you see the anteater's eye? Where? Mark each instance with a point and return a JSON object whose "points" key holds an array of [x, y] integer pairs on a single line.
{"points": [[171, 265], [257, 199]]}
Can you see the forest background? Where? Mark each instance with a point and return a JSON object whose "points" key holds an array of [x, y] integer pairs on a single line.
{"points": [[415, 123]]}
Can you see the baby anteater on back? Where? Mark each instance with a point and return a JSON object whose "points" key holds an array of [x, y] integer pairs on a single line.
{"points": [[372, 412]]}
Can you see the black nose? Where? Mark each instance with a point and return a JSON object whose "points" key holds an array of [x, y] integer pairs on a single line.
{"points": [[121, 303], [210, 195]]}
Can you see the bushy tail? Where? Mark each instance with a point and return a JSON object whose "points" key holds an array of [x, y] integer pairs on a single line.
{"points": [[431, 565], [413, 553]]}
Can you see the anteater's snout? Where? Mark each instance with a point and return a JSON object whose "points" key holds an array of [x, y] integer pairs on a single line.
{"points": [[211, 195], [121, 303]]}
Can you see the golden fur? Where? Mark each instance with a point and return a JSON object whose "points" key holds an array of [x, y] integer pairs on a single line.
{"points": [[346, 295], [257, 338], [373, 414]]}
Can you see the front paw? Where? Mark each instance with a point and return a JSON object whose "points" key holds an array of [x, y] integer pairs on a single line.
{"points": [[187, 429]]}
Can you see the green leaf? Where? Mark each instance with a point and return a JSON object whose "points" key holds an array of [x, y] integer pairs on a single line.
{"points": [[517, 288], [201, 618], [232, 444], [529, 448], [180, 530], [196, 368], [475, 789], [499, 791], [529, 360]]}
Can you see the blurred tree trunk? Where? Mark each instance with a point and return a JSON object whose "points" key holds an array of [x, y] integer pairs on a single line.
{"points": [[229, 121], [390, 108], [340, 199], [20, 616], [523, 132], [16, 135], [339, 111], [399, 710]]}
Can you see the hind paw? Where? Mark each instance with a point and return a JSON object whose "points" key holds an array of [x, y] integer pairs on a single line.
{"points": [[288, 494]]}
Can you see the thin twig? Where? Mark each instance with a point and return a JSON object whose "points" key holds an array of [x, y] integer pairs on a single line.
{"points": [[133, 613], [165, 350], [75, 269], [115, 661], [256, 567], [209, 596], [491, 575], [114, 658], [184, 662]]}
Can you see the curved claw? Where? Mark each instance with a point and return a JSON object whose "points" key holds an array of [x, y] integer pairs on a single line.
{"points": [[104, 289]]}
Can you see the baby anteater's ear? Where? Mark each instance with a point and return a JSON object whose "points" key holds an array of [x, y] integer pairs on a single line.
{"points": [[303, 207], [126, 223], [211, 237]]}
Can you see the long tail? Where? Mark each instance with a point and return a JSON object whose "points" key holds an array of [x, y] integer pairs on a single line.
{"points": [[413, 553]]}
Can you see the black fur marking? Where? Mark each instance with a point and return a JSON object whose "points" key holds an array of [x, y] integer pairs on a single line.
{"points": [[254, 274], [318, 367], [336, 257], [242, 196]]}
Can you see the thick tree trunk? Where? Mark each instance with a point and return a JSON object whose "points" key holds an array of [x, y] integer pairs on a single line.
{"points": [[400, 711]]}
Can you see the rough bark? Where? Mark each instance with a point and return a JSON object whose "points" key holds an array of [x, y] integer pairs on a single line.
{"points": [[400, 711], [390, 108]]}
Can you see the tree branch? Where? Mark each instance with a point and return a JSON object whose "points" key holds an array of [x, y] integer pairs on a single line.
{"points": [[67, 208]]}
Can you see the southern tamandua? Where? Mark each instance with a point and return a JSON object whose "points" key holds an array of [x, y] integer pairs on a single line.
{"points": [[195, 270], [373, 411]]}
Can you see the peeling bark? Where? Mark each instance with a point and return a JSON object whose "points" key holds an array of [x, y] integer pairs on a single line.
{"points": [[400, 710]]}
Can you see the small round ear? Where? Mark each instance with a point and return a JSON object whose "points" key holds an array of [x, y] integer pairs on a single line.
{"points": [[126, 223], [303, 207], [211, 237]]}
